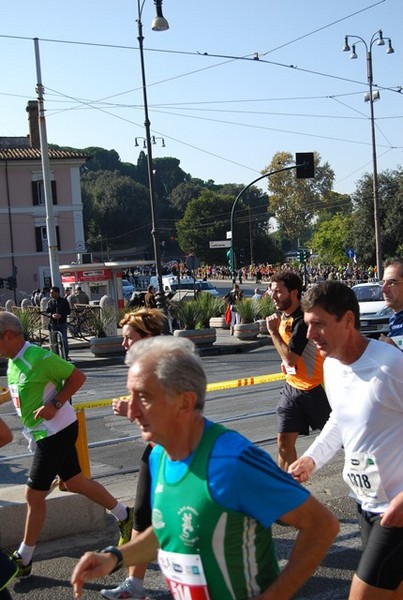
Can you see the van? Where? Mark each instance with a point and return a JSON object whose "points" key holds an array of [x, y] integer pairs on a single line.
{"points": [[170, 283]]}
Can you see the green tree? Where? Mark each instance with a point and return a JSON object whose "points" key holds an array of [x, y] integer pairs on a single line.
{"points": [[206, 218], [115, 207], [390, 191], [332, 238], [295, 202], [183, 193]]}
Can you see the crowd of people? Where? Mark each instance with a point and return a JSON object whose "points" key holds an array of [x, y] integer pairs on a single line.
{"points": [[205, 490]]}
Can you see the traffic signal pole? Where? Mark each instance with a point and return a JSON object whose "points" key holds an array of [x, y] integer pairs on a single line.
{"points": [[305, 169]]}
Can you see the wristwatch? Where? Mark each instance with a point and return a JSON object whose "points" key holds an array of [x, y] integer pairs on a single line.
{"points": [[56, 403], [116, 552]]}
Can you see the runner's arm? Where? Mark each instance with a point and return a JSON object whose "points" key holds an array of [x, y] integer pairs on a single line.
{"points": [[309, 548]]}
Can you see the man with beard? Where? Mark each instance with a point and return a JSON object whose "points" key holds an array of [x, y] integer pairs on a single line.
{"points": [[303, 403]]}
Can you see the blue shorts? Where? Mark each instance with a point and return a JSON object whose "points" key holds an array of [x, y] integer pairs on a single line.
{"points": [[381, 563]]}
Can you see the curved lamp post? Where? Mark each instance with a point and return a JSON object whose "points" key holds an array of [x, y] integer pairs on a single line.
{"points": [[371, 97], [305, 170], [159, 24]]}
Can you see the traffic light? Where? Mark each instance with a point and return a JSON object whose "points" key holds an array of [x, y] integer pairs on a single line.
{"points": [[305, 165], [301, 255], [230, 262], [307, 254]]}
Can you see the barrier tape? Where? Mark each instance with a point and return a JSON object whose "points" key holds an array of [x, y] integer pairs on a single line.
{"points": [[211, 387]]}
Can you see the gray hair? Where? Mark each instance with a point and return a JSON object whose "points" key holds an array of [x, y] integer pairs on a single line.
{"points": [[9, 322], [175, 362]]}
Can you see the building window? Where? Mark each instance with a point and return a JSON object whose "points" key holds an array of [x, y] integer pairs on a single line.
{"points": [[38, 192], [41, 237]]}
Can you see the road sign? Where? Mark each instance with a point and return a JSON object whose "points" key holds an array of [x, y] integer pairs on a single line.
{"points": [[350, 253], [220, 244], [228, 235]]}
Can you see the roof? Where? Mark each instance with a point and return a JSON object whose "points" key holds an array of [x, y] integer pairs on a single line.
{"points": [[35, 154]]}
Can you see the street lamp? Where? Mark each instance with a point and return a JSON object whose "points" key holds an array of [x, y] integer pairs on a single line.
{"points": [[371, 97], [159, 24]]}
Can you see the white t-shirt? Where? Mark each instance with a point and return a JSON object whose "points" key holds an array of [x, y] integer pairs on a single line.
{"points": [[367, 421]]}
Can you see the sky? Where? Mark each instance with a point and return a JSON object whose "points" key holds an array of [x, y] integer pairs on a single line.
{"points": [[230, 83]]}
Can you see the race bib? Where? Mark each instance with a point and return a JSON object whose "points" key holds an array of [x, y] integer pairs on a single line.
{"points": [[184, 575], [15, 396], [362, 476]]}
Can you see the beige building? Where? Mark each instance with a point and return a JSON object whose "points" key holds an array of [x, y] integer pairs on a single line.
{"points": [[23, 235]]}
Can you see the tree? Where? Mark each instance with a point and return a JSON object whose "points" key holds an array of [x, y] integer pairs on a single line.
{"points": [[183, 193], [206, 218], [295, 202], [390, 191], [116, 208], [332, 238]]}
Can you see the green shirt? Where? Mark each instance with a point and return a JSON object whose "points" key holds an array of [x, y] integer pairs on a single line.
{"points": [[35, 375]]}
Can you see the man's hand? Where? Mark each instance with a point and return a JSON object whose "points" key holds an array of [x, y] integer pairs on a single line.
{"points": [[47, 412], [273, 323], [56, 316], [393, 516], [386, 339], [91, 566], [119, 406], [302, 468]]}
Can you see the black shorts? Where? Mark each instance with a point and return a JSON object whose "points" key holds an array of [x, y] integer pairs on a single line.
{"points": [[55, 455], [298, 410], [381, 563], [142, 503]]}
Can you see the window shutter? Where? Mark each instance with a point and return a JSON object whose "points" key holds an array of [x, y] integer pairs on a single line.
{"points": [[38, 239], [58, 237], [35, 194], [54, 195]]}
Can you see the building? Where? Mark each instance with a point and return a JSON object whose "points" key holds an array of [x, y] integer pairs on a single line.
{"points": [[23, 234]]}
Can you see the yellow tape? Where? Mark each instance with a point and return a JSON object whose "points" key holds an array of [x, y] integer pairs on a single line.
{"points": [[211, 387]]}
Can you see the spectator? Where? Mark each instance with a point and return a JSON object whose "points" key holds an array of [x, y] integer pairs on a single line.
{"points": [[232, 298], [81, 296], [149, 299], [59, 309], [214, 494]]}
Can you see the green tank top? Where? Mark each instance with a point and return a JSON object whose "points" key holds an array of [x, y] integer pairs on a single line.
{"points": [[237, 552]]}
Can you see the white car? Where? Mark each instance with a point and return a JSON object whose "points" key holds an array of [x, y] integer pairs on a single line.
{"points": [[374, 313], [206, 286]]}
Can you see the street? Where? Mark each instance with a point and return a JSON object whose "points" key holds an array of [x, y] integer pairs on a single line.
{"points": [[249, 410]]}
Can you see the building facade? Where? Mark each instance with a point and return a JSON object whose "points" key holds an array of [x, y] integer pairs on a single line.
{"points": [[23, 223]]}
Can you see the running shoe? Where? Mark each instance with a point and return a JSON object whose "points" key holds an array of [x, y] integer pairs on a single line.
{"points": [[23, 570], [123, 591], [125, 527]]}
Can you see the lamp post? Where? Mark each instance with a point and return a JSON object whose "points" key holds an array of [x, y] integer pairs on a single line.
{"points": [[159, 24], [377, 38], [305, 170]]}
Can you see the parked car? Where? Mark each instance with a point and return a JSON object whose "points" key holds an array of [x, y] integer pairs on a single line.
{"points": [[374, 313], [207, 286], [128, 289]]}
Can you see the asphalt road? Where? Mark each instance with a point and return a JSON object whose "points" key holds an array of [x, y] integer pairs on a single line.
{"points": [[249, 410]]}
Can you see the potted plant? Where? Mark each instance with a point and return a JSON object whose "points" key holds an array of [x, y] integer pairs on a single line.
{"points": [[194, 317], [265, 309], [248, 328], [100, 319]]}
